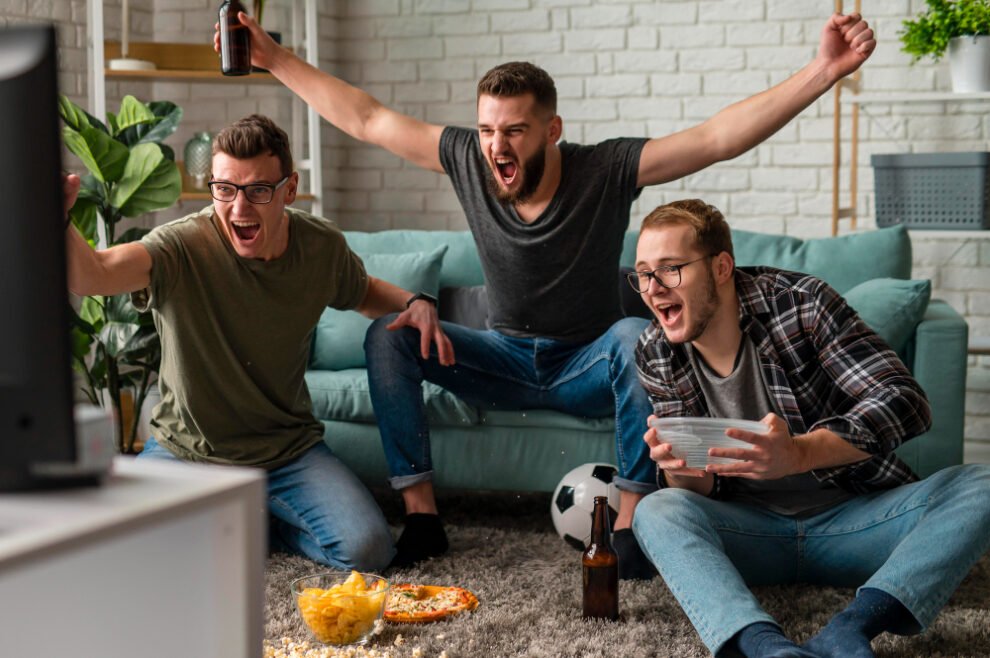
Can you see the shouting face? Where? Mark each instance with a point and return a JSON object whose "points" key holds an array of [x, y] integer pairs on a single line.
{"points": [[685, 310], [514, 136], [255, 229]]}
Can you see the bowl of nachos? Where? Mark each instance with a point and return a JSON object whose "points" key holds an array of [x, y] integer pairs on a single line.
{"points": [[341, 608]]}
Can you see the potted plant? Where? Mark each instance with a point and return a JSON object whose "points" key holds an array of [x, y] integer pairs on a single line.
{"points": [[963, 28], [114, 347]]}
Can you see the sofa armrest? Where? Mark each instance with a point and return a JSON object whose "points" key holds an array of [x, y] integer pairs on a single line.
{"points": [[937, 358]]}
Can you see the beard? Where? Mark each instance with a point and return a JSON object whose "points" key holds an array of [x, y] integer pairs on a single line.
{"points": [[706, 309], [531, 172]]}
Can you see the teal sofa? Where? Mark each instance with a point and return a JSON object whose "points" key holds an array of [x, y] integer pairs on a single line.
{"points": [[480, 448]]}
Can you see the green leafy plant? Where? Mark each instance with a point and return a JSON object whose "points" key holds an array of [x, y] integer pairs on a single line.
{"points": [[114, 346], [929, 34], [259, 9]]}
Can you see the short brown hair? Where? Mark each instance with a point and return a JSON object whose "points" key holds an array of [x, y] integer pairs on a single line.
{"points": [[711, 231], [518, 79], [253, 136]]}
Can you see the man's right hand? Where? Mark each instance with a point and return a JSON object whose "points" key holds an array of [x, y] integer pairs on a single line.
{"points": [[263, 48], [662, 454]]}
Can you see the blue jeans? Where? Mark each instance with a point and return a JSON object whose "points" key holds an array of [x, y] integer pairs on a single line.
{"points": [[593, 380], [321, 510], [915, 542]]}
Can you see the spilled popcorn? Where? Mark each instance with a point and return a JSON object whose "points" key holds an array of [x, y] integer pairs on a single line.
{"points": [[288, 648]]}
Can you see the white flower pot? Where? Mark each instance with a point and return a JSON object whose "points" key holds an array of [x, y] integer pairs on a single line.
{"points": [[969, 63]]}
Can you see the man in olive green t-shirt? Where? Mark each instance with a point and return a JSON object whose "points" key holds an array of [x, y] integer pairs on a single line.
{"points": [[236, 291]]}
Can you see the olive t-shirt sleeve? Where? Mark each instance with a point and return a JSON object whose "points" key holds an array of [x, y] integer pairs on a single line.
{"points": [[167, 251], [350, 275]]}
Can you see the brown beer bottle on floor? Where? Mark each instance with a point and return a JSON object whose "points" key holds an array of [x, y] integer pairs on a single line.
{"points": [[601, 568], [235, 40]]}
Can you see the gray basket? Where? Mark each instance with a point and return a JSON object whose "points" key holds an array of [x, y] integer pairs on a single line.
{"points": [[932, 190]]}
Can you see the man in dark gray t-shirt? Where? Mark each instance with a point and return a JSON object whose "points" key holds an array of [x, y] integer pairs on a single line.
{"points": [[548, 219]]}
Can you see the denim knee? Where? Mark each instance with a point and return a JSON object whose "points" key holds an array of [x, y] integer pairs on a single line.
{"points": [[665, 508], [624, 336], [382, 345], [371, 552]]}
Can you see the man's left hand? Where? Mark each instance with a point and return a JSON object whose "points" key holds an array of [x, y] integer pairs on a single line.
{"points": [[774, 455], [847, 41], [422, 315]]}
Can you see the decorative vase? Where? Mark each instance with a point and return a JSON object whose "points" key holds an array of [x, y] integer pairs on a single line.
{"points": [[198, 156], [969, 63]]}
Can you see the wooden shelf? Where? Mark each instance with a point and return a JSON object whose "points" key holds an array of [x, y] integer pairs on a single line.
{"points": [[190, 62]]}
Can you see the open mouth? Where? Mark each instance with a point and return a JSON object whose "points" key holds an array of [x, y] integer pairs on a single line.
{"points": [[507, 170], [245, 231], [669, 313]]}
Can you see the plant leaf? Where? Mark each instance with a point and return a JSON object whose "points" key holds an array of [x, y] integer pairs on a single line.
{"points": [[84, 215], [150, 182], [91, 312], [103, 156], [168, 114], [73, 115], [132, 113]]}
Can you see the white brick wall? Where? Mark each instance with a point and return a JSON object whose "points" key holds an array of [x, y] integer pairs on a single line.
{"points": [[622, 68]]}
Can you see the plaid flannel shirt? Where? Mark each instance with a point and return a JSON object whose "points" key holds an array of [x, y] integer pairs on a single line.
{"points": [[824, 367]]}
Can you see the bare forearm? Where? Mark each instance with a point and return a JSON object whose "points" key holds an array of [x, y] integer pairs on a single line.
{"points": [[121, 269], [822, 448], [382, 298], [700, 485], [743, 125], [345, 106]]}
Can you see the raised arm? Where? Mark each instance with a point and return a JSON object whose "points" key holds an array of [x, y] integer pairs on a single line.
{"points": [[846, 42], [348, 108], [120, 269]]}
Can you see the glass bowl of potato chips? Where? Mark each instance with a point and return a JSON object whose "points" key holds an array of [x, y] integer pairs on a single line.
{"points": [[341, 608]]}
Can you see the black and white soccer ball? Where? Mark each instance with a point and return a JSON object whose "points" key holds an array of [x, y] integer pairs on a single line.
{"points": [[574, 501]]}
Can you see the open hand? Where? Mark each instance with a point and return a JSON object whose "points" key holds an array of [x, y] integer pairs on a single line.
{"points": [[774, 455], [846, 42], [422, 315], [662, 454]]}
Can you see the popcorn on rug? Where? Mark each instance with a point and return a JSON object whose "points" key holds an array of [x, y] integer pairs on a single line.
{"points": [[288, 648]]}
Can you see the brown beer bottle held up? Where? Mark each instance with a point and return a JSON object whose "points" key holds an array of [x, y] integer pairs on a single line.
{"points": [[235, 40], [600, 565]]}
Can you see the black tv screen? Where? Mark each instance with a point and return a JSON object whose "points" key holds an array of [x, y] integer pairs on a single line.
{"points": [[36, 413]]}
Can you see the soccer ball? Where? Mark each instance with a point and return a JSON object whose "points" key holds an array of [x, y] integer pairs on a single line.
{"points": [[574, 502]]}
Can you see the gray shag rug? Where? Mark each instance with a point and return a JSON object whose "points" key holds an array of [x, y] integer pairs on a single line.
{"points": [[505, 550]]}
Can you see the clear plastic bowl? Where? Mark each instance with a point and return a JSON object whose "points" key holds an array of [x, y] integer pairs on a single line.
{"points": [[690, 438]]}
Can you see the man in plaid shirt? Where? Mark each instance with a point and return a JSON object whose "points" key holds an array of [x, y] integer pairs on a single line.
{"points": [[821, 497]]}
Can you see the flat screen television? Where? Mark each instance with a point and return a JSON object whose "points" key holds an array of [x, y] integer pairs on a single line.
{"points": [[38, 446]]}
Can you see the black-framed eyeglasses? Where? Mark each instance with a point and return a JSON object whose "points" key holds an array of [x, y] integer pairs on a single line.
{"points": [[259, 193], [668, 276]]}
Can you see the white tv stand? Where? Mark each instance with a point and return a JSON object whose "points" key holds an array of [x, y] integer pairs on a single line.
{"points": [[165, 559]]}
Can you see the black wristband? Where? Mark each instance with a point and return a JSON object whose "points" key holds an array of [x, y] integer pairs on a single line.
{"points": [[426, 297]]}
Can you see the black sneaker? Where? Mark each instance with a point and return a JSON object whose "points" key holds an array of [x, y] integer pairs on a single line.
{"points": [[633, 563], [422, 538]]}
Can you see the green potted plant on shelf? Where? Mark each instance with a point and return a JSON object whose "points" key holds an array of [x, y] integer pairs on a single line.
{"points": [[114, 347], [961, 27]]}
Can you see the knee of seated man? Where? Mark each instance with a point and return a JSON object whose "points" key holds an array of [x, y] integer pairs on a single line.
{"points": [[625, 334], [666, 507], [369, 553], [378, 339]]}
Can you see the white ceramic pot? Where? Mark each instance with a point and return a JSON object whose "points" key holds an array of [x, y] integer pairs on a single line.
{"points": [[969, 63]]}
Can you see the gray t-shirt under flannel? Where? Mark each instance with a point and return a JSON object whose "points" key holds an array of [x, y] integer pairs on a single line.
{"points": [[743, 395], [555, 277]]}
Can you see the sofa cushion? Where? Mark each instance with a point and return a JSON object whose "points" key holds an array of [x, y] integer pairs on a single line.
{"points": [[843, 262], [343, 395], [339, 339], [891, 307], [461, 265]]}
